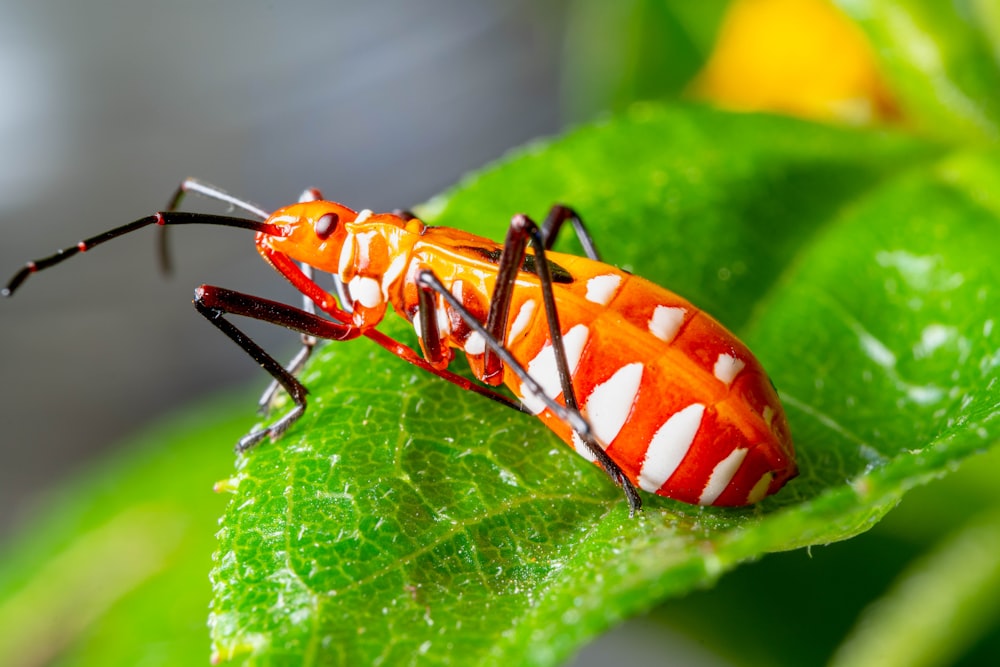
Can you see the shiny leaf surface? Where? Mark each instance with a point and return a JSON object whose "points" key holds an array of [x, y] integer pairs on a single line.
{"points": [[403, 521]]}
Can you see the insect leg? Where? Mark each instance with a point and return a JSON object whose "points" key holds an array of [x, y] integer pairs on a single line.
{"points": [[301, 357], [213, 192], [410, 355], [560, 214], [308, 342], [430, 333], [521, 229], [216, 302], [567, 413], [294, 274], [205, 190], [437, 353], [509, 265], [565, 379]]}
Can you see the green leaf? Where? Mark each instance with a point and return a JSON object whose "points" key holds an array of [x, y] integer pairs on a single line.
{"points": [[956, 588], [942, 60], [112, 569], [403, 521], [406, 521], [749, 620]]}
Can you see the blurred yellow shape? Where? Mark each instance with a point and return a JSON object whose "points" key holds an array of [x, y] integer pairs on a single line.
{"points": [[799, 57]]}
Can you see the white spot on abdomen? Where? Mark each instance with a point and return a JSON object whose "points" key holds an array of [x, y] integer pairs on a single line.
{"points": [[366, 291], [545, 372], [666, 322], [727, 367], [610, 402], [721, 476], [669, 446], [363, 216], [521, 321], [601, 289]]}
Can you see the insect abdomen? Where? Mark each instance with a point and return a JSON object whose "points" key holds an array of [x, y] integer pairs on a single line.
{"points": [[681, 405]]}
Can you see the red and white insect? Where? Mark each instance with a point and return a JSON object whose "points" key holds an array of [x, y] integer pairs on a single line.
{"points": [[630, 375]]}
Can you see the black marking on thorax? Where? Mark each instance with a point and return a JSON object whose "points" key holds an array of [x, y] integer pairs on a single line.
{"points": [[559, 274]]}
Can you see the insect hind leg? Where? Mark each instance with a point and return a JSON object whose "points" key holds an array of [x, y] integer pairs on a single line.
{"points": [[568, 413], [538, 242], [561, 214], [522, 230]]}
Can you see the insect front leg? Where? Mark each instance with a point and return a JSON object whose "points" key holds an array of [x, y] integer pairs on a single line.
{"points": [[430, 332], [299, 360], [293, 272], [308, 342], [216, 302]]}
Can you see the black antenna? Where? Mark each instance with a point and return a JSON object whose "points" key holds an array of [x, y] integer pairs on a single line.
{"points": [[165, 218]]}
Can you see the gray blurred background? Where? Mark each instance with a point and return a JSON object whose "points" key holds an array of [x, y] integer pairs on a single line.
{"points": [[105, 105]]}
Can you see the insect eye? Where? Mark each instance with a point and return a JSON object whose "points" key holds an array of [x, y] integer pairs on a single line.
{"points": [[326, 224]]}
